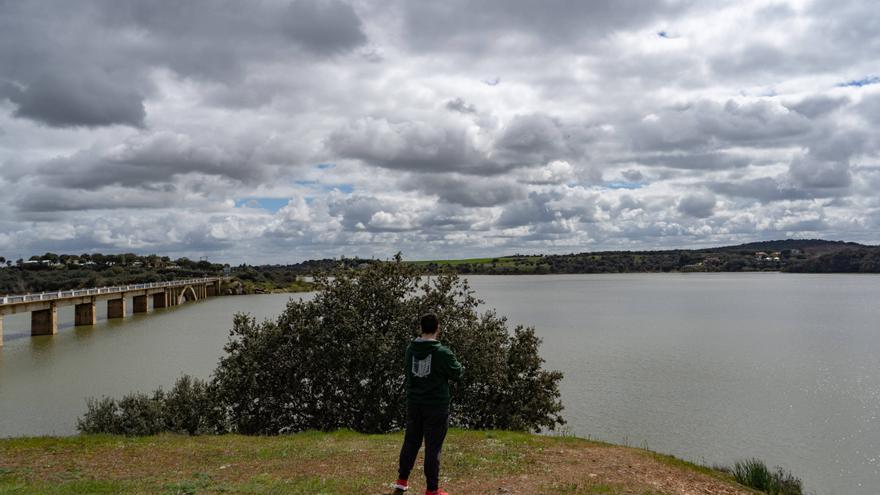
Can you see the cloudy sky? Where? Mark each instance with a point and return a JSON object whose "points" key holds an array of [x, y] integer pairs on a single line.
{"points": [[277, 131]]}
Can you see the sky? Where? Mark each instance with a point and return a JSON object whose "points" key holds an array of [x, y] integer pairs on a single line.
{"points": [[278, 131]]}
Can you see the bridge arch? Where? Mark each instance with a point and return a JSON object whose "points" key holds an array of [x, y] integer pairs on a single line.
{"points": [[188, 294]]}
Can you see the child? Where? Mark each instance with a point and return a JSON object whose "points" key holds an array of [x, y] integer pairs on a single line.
{"points": [[429, 366]]}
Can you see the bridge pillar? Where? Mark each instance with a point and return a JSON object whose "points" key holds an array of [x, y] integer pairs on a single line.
{"points": [[139, 303], [116, 308], [160, 300], [45, 321], [85, 314], [210, 290]]}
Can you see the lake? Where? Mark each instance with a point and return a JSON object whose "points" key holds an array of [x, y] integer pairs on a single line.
{"points": [[709, 367]]}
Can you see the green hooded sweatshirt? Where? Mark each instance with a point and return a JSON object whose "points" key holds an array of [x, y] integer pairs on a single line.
{"points": [[429, 366]]}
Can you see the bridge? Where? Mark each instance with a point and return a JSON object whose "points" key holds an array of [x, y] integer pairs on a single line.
{"points": [[44, 307]]}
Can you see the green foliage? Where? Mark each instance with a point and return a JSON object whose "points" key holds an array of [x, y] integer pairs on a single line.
{"points": [[134, 414], [813, 255], [71, 272], [336, 361], [187, 408], [864, 260], [755, 474]]}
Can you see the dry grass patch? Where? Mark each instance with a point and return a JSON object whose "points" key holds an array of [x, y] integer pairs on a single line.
{"points": [[340, 463]]}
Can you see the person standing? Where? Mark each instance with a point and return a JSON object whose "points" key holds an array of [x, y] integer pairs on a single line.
{"points": [[429, 366]]}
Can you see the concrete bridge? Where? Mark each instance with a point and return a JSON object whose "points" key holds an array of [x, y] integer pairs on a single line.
{"points": [[44, 307]]}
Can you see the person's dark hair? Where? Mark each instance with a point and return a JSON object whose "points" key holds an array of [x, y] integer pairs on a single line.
{"points": [[429, 323]]}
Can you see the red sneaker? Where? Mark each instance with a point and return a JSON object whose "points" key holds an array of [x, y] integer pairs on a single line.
{"points": [[400, 487]]}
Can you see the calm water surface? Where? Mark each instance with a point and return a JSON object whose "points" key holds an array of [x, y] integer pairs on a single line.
{"points": [[709, 367]]}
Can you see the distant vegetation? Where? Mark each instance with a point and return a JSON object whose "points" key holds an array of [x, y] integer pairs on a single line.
{"points": [[814, 256], [53, 272]]}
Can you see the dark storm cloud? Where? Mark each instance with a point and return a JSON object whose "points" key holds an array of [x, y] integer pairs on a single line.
{"points": [[698, 205], [79, 100], [86, 63], [457, 24], [466, 190]]}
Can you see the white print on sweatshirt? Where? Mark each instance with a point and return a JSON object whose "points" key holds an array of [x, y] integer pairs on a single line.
{"points": [[421, 367]]}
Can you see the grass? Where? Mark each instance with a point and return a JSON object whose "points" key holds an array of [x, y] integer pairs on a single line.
{"points": [[755, 474], [341, 462]]}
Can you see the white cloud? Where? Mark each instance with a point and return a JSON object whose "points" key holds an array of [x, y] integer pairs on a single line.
{"points": [[366, 128]]}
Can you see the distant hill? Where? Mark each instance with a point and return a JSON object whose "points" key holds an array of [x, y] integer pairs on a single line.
{"points": [[802, 244], [791, 255]]}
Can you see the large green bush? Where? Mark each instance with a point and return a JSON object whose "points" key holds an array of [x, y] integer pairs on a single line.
{"points": [[336, 361]]}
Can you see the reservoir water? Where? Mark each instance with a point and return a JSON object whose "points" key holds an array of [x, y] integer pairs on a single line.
{"points": [[708, 367]]}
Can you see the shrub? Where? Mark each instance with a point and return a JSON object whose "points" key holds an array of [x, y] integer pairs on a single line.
{"points": [[188, 408], [134, 414], [754, 474], [337, 361], [100, 417]]}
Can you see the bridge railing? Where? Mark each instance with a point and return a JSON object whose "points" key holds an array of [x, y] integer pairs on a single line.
{"points": [[49, 296]]}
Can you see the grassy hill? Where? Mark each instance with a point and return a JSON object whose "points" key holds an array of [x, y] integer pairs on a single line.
{"points": [[795, 255], [808, 245], [342, 463]]}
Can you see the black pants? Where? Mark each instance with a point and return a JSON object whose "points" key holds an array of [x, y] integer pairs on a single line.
{"points": [[430, 423]]}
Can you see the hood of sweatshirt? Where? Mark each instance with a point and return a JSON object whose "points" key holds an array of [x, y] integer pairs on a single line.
{"points": [[422, 348]]}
